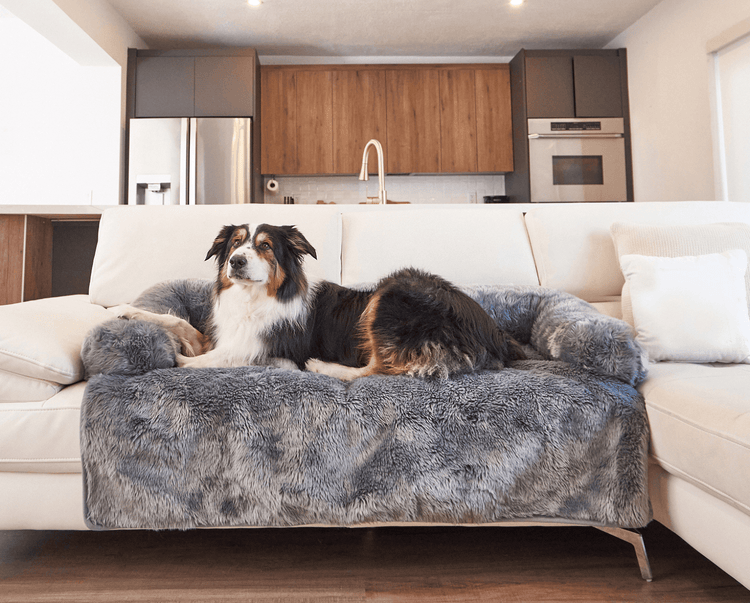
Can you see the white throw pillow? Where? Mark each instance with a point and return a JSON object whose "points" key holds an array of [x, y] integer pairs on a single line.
{"points": [[42, 339], [677, 241], [690, 309]]}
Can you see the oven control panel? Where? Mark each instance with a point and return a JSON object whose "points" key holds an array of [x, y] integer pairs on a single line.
{"points": [[575, 126]]}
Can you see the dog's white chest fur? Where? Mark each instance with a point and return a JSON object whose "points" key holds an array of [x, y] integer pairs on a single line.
{"points": [[242, 315]]}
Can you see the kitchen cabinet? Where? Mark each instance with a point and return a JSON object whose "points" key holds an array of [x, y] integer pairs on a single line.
{"points": [[225, 86], [297, 130], [314, 126], [358, 116], [458, 121], [412, 121], [47, 254], [279, 137], [429, 118], [26, 247], [573, 85], [164, 86], [193, 83], [494, 125]]}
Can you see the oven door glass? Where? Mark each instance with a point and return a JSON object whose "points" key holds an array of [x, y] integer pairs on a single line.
{"points": [[573, 168]]}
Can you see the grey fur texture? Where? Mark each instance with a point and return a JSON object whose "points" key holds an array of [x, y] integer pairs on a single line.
{"points": [[128, 347], [546, 438]]}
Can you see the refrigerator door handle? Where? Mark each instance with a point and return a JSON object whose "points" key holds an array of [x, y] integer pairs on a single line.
{"points": [[193, 160]]}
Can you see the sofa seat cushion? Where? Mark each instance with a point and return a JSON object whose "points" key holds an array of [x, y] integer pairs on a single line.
{"points": [[700, 425], [472, 245], [42, 437], [140, 246], [40, 341]]}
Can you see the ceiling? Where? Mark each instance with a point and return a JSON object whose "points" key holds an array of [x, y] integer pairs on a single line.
{"points": [[362, 28]]}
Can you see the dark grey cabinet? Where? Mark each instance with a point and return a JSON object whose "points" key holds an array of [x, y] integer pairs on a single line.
{"points": [[549, 87], [573, 85], [224, 86], [179, 84], [164, 87]]}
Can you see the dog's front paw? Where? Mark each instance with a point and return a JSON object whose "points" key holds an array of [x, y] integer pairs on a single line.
{"points": [[193, 341], [283, 363], [124, 311], [315, 366], [184, 361]]}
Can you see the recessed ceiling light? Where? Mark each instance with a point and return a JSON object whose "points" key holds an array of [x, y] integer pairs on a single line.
{"points": [[254, 2], [516, 2]]}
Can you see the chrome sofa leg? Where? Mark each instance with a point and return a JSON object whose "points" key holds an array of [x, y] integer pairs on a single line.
{"points": [[634, 538]]}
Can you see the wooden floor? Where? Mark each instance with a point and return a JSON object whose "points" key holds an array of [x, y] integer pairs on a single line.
{"points": [[333, 565]]}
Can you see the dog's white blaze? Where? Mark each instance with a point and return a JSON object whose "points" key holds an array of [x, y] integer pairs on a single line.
{"points": [[258, 269]]}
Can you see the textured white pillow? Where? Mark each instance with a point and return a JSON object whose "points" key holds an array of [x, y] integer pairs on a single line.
{"points": [[677, 241], [690, 309]]}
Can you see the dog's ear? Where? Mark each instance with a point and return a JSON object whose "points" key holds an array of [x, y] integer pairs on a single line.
{"points": [[220, 242], [300, 245]]}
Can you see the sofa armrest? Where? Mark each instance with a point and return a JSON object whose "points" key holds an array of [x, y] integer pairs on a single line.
{"points": [[42, 339]]}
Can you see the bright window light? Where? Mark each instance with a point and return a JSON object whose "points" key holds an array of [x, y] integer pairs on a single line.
{"points": [[254, 2], [516, 2]]}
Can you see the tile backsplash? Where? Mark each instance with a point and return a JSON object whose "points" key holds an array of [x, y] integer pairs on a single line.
{"points": [[412, 189]]}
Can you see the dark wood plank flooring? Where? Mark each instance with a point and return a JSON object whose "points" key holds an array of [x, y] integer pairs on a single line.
{"points": [[437, 564]]}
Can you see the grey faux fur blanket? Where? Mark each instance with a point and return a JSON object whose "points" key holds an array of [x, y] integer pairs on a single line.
{"points": [[561, 437]]}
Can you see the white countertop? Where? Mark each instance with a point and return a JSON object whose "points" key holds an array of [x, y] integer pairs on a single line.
{"points": [[56, 211]]}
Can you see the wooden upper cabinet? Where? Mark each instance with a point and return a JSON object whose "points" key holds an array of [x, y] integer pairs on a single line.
{"points": [[494, 124], [458, 121], [429, 119], [413, 121], [224, 86], [358, 117], [164, 86], [314, 127], [278, 127]]}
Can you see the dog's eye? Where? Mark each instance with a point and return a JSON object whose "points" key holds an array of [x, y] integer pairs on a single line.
{"points": [[264, 246]]}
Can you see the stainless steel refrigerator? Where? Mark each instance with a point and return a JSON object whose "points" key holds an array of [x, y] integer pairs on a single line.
{"points": [[190, 161]]}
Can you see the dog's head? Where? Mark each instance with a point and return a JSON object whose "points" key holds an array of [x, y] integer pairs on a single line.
{"points": [[264, 255]]}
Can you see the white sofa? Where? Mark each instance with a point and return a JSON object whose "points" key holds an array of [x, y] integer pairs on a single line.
{"points": [[699, 414]]}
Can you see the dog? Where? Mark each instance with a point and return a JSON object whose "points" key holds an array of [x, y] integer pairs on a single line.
{"points": [[264, 312]]}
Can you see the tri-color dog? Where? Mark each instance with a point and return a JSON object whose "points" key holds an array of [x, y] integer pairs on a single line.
{"points": [[266, 313]]}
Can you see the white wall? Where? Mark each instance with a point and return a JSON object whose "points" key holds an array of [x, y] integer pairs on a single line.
{"points": [[62, 101], [670, 85]]}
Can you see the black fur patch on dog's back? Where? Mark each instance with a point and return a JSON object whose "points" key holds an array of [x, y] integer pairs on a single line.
{"points": [[420, 323]]}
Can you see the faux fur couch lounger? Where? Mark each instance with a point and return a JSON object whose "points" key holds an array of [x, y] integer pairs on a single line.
{"points": [[141, 444]]}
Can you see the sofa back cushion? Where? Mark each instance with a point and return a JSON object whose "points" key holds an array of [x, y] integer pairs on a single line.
{"points": [[471, 244], [573, 246], [143, 245]]}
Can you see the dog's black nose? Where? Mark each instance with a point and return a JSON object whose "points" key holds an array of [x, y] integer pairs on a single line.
{"points": [[238, 261]]}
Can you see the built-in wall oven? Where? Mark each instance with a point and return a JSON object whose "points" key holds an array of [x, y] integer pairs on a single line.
{"points": [[577, 159]]}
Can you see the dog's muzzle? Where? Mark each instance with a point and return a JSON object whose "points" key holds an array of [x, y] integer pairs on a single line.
{"points": [[238, 266]]}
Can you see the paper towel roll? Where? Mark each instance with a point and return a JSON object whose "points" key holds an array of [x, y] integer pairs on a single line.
{"points": [[272, 186]]}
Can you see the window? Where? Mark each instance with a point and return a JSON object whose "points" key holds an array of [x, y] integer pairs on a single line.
{"points": [[732, 73]]}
